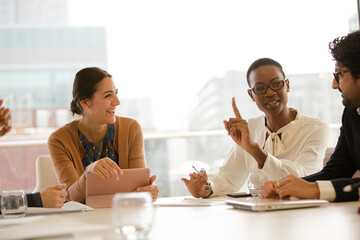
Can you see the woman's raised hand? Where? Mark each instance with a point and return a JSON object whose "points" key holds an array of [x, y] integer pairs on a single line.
{"points": [[238, 128]]}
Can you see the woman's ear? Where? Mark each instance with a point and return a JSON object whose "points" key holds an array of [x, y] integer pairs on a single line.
{"points": [[84, 104], [287, 85], [251, 94]]}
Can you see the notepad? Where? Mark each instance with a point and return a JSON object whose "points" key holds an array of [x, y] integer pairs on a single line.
{"points": [[33, 211], [188, 202]]}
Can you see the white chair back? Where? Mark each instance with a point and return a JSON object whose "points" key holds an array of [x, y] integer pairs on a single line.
{"points": [[45, 173]]}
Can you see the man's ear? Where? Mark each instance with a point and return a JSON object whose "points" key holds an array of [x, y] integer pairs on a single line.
{"points": [[358, 80], [251, 94]]}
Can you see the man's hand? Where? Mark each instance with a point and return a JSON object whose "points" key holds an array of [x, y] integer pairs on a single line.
{"points": [[290, 186], [267, 190], [54, 196]]}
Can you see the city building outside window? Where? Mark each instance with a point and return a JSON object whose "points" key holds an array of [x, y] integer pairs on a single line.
{"points": [[177, 65]]}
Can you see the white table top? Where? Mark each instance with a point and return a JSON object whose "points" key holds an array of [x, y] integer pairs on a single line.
{"points": [[335, 221]]}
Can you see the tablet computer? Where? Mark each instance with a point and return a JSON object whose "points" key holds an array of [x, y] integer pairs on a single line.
{"points": [[100, 192], [270, 204]]}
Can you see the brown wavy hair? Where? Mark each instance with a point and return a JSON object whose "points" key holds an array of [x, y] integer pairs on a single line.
{"points": [[85, 85]]}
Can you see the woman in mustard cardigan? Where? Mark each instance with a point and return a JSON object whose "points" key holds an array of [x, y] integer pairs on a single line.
{"points": [[99, 142]]}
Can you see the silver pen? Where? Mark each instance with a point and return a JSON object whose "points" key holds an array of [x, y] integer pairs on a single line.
{"points": [[202, 176]]}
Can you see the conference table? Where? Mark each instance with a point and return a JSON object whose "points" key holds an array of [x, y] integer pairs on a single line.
{"points": [[334, 221]]}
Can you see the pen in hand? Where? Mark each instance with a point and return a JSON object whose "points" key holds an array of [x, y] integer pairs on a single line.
{"points": [[202, 176], [351, 187]]}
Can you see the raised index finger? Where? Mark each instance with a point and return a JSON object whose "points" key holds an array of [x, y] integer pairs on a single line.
{"points": [[236, 110]]}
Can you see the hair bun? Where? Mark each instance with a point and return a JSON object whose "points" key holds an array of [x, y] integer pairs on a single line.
{"points": [[74, 108]]}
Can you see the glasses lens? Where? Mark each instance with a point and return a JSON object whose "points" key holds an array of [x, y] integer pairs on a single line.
{"points": [[258, 89], [277, 85], [336, 76]]}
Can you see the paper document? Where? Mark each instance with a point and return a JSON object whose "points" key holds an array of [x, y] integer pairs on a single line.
{"points": [[33, 211], [67, 208], [76, 206], [14, 221], [188, 202]]}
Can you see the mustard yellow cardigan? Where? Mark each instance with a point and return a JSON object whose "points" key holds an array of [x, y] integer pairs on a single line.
{"points": [[66, 152]]}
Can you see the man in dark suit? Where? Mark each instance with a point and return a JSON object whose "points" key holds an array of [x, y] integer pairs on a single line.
{"points": [[329, 183]]}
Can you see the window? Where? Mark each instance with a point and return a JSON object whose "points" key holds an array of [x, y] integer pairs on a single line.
{"points": [[176, 64]]}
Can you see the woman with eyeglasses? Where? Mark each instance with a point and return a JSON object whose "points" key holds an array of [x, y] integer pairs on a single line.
{"points": [[280, 143]]}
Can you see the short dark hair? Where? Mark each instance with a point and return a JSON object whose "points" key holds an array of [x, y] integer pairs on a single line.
{"points": [[262, 62], [85, 85], [346, 50]]}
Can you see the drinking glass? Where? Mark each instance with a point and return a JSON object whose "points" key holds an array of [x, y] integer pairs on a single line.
{"points": [[13, 203], [132, 214], [253, 182]]}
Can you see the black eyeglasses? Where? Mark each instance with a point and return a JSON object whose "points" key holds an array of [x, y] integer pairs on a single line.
{"points": [[261, 88], [338, 74]]}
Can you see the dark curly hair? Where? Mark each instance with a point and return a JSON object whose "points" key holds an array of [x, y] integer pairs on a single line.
{"points": [[85, 85], [262, 62], [346, 50]]}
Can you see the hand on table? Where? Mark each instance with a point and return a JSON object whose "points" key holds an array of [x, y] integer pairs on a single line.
{"points": [[290, 186], [54, 196], [267, 190]]}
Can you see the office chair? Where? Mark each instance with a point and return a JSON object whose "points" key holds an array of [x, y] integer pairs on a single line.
{"points": [[45, 173]]}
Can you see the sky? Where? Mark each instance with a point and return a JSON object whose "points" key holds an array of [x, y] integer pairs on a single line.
{"points": [[169, 49]]}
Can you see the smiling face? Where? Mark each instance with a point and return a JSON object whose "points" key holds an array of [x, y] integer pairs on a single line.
{"points": [[271, 102], [348, 86], [100, 108]]}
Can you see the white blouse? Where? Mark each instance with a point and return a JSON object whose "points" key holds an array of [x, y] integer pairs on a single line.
{"points": [[299, 151]]}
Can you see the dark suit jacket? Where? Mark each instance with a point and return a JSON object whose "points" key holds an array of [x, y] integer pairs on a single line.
{"points": [[345, 160], [33, 200]]}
